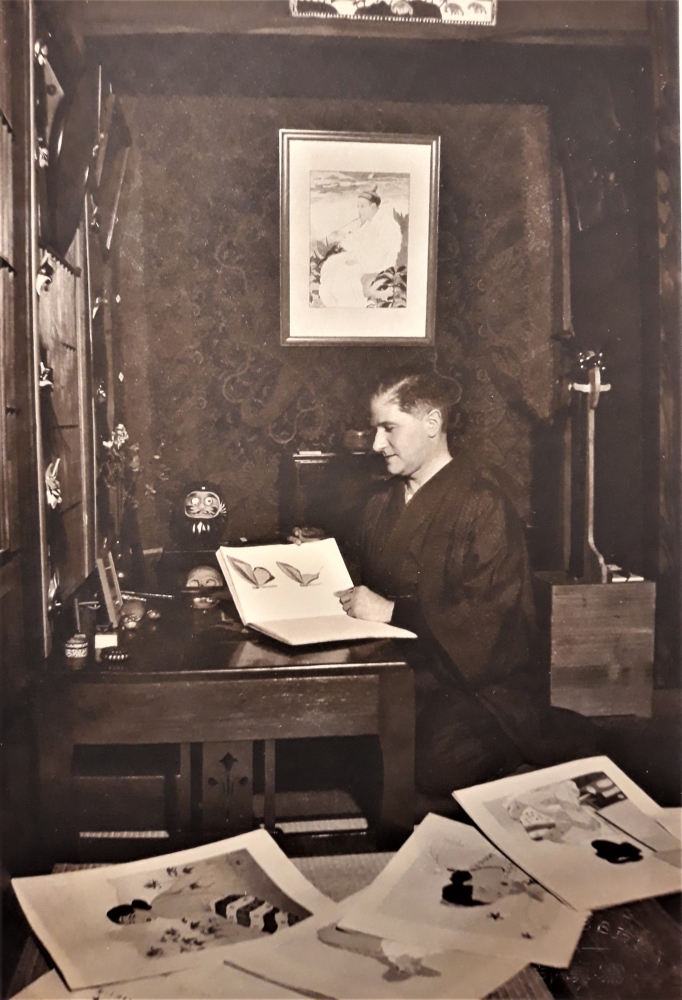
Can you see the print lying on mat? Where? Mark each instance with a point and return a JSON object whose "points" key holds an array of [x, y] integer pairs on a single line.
{"points": [[321, 958], [400, 962], [569, 812], [588, 809], [582, 829], [168, 913], [198, 906], [209, 981], [448, 886]]}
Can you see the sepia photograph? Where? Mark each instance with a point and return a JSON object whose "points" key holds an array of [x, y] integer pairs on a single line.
{"points": [[340, 499]]}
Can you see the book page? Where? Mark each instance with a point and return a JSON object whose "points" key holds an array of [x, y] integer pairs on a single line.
{"points": [[332, 628], [272, 582]]}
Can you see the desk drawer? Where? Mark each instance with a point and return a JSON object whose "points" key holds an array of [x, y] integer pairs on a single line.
{"points": [[206, 711]]}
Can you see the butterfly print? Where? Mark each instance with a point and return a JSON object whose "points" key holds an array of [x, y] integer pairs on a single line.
{"points": [[259, 577], [305, 579]]}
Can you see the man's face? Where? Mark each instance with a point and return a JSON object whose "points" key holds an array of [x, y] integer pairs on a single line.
{"points": [[402, 438], [366, 209]]}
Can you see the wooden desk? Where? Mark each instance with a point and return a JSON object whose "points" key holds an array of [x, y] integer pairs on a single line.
{"points": [[190, 680]]}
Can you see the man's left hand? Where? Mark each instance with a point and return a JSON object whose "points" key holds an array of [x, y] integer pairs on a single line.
{"points": [[361, 602]]}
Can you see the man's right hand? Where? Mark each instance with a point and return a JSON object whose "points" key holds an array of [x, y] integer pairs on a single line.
{"points": [[361, 602]]}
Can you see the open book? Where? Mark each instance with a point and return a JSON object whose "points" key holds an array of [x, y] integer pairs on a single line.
{"points": [[288, 592]]}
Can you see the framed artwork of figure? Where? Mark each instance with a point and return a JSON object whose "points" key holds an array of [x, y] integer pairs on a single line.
{"points": [[359, 217]]}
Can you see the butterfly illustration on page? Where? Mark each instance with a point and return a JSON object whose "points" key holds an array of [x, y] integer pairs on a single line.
{"points": [[305, 579], [258, 576]]}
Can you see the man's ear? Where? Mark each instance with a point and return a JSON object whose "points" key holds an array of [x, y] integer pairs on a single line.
{"points": [[434, 422]]}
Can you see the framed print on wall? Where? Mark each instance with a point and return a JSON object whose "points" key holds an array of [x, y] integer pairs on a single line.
{"points": [[358, 237]]}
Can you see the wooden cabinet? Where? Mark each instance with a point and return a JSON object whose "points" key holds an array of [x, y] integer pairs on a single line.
{"points": [[600, 639], [48, 531], [328, 490]]}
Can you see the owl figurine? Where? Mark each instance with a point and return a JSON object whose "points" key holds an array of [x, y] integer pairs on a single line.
{"points": [[199, 519]]}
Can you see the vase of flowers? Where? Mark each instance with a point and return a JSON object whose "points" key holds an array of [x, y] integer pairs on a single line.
{"points": [[119, 468]]}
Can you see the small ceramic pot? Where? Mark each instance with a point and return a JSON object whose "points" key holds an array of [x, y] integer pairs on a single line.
{"points": [[76, 648], [357, 441]]}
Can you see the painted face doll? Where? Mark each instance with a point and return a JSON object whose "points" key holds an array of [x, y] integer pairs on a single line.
{"points": [[202, 578], [200, 521]]}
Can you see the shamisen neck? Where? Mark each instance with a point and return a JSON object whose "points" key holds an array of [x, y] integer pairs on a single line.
{"points": [[415, 482]]}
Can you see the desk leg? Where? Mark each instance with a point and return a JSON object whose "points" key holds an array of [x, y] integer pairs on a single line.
{"points": [[227, 788], [57, 813], [183, 792], [269, 810], [396, 736]]}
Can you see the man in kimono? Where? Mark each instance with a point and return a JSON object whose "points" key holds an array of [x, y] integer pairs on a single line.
{"points": [[443, 554]]}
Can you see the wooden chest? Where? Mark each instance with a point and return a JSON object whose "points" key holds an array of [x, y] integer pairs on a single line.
{"points": [[599, 640]]}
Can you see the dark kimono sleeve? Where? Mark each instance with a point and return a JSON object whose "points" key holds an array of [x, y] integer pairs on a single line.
{"points": [[474, 590]]}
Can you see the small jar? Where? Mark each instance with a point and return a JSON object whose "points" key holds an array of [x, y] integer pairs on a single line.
{"points": [[76, 648]]}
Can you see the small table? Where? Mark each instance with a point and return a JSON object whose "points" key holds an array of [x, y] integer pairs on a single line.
{"points": [[194, 677]]}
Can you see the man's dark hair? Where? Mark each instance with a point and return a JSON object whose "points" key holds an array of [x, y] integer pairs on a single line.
{"points": [[412, 392], [460, 891], [126, 910]]}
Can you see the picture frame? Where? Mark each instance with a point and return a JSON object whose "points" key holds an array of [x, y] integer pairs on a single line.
{"points": [[358, 237], [111, 590]]}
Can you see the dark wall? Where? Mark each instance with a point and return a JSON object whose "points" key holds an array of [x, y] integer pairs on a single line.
{"points": [[226, 400], [210, 390]]}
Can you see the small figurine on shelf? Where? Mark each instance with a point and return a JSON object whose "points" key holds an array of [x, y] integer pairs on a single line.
{"points": [[76, 650], [205, 581], [199, 519], [53, 491]]}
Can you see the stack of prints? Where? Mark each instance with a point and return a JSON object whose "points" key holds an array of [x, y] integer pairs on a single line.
{"points": [[453, 914]]}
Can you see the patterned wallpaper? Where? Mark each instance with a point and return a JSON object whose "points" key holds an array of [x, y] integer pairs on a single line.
{"points": [[209, 390]]}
